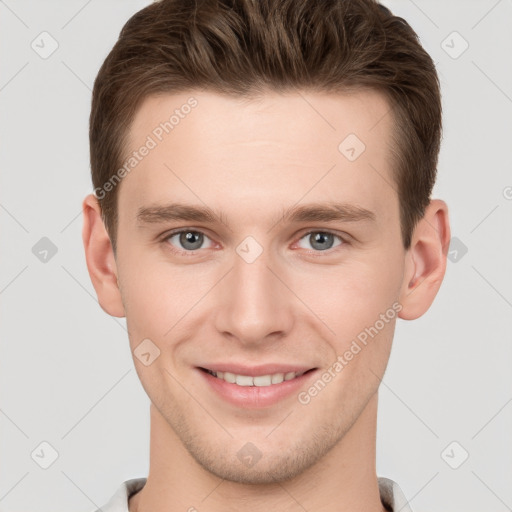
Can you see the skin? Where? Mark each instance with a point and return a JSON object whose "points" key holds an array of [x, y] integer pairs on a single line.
{"points": [[294, 304]]}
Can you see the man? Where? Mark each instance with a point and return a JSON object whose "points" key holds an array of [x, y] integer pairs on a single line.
{"points": [[262, 217]]}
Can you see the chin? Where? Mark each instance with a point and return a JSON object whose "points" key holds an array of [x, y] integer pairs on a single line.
{"points": [[272, 467], [263, 473]]}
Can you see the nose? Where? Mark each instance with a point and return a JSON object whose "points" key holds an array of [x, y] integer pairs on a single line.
{"points": [[253, 302]]}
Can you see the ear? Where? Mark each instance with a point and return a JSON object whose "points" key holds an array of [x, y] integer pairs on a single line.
{"points": [[425, 264], [100, 258]]}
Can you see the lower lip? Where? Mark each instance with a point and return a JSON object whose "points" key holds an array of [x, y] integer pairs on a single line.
{"points": [[254, 397]]}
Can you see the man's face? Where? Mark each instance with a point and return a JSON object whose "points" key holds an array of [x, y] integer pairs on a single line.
{"points": [[253, 291]]}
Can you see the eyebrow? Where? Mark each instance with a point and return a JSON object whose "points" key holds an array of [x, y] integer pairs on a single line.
{"points": [[314, 212]]}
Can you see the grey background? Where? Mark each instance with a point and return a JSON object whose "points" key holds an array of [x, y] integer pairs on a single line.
{"points": [[66, 372]]}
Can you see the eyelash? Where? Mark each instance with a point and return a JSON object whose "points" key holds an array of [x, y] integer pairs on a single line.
{"points": [[311, 252]]}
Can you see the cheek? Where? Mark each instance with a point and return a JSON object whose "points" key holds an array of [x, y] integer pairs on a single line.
{"points": [[360, 304], [350, 297], [158, 295]]}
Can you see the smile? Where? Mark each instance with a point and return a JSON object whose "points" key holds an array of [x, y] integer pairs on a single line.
{"points": [[259, 381], [255, 387]]}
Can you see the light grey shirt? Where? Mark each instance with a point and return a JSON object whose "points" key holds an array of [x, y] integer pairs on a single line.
{"points": [[391, 496]]}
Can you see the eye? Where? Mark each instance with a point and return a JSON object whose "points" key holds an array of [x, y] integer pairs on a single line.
{"points": [[321, 240], [188, 240]]}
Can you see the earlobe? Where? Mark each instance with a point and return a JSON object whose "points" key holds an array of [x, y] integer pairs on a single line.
{"points": [[100, 258], [425, 264]]}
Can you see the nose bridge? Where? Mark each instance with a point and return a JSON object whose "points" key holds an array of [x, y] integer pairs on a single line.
{"points": [[255, 303]]}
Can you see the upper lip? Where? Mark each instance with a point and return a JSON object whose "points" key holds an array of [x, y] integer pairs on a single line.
{"points": [[255, 371]]}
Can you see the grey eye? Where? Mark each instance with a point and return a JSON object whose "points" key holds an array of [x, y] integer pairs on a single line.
{"points": [[321, 240], [188, 240]]}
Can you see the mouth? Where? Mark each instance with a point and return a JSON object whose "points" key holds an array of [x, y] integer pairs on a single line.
{"points": [[255, 387], [270, 379]]}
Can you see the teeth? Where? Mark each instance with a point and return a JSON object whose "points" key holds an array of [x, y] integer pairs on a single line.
{"points": [[244, 380], [259, 381], [263, 380], [277, 378], [228, 377]]}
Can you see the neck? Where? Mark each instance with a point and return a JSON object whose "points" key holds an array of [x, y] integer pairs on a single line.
{"points": [[344, 480]]}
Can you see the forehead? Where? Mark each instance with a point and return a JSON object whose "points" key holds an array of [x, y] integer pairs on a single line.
{"points": [[262, 153]]}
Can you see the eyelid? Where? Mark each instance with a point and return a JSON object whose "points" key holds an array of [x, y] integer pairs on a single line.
{"points": [[169, 234], [345, 240], [344, 237]]}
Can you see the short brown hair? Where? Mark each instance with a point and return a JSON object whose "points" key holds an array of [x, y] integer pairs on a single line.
{"points": [[245, 47]]}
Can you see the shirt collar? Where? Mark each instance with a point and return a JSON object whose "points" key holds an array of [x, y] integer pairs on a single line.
{"points": [[391, 496]]}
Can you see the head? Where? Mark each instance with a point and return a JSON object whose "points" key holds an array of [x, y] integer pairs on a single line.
{"points": [[266, 115]]}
